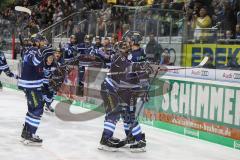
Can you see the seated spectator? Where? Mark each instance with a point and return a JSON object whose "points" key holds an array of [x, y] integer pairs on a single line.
{"points": [[237, 31], [200, 22]]}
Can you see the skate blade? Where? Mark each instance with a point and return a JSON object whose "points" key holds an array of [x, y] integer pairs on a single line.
{"points": [[126, 146], [106, 148], [22, 140], [30, 143], [47, 111], [138, 150]]}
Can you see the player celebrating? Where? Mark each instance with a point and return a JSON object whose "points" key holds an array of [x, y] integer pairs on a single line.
{"points": [[31, 83], [137, 53], [119, 94]]}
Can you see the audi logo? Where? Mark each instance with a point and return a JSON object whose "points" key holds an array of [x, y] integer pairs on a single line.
{"points": [[236, 76], [204, 73]]}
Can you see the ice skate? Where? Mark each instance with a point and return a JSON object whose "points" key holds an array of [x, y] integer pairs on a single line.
{"points": [[139, 146], [32, 140]]}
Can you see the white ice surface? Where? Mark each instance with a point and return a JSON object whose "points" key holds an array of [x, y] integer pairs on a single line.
{"points": [[79, 140]]}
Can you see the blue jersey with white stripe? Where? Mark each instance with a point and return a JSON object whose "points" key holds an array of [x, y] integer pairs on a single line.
{"points": [[3, 62], [83, 48], [4, 66], [32, 68], [47, 72], [69, 50], [138, 55]]}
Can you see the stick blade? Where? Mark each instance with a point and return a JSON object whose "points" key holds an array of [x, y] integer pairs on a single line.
{"points": [[204, 61], [23, 9]]}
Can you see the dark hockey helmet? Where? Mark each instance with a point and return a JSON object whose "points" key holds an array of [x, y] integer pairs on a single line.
{"points": [[133, 36], [136, 37], [37, 38]]}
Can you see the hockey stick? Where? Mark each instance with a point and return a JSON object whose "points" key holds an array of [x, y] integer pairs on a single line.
{"points": [[200, 65], [23, 9]]}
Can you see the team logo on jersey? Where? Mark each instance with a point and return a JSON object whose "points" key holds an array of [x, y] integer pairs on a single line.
{"points": [[129, 57], [123, 58]]}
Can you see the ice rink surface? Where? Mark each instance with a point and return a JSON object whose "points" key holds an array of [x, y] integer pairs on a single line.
{"points": [[79, 140]]}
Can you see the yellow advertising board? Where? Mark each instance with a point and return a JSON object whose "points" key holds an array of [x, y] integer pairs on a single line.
{"points": [[193, 53]]}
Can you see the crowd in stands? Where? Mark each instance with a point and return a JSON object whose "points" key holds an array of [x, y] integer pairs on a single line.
{"points": [[198, 14]]}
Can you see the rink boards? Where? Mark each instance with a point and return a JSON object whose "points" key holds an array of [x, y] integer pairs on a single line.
{"points": [[204, 109]]}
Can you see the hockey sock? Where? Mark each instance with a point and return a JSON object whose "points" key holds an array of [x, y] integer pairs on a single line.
{"points": [[109, 129], [137, 132], [32, 123], [126, 128]]}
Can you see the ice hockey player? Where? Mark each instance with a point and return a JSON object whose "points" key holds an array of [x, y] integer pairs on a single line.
{"points": [[119, 94], [137, 53], [106, 52], [70, 49], [58, 58], [31, 82], [98, 43], [87, 47], [48, 93], [5, 68]]}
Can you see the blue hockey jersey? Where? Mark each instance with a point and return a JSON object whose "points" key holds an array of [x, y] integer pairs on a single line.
{"points": [[4, 66], [86, 49], [32, 68], [137, 55], [69, 51]]}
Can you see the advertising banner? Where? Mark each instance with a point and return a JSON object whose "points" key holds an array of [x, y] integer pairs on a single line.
{"points": [[201, 73], [228, 75], [196, 105], [193, 53]]}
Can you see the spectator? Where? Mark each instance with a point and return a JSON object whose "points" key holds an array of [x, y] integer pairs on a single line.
{"points": [[70, 27], [79, 35], [153, 49], [200, 22], [229, 19], [237, 30]]}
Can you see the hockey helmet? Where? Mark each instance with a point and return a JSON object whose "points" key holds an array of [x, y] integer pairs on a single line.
{"points": [[37, 38], [133, 36]]}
